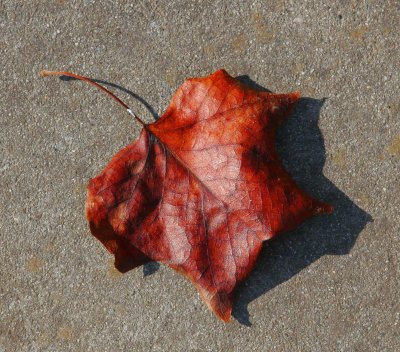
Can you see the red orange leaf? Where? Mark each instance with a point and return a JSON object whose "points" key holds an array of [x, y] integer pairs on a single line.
{"points": [[201, 188]]}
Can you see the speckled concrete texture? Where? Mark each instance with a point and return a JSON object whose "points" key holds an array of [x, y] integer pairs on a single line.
{"points": [[330, 285]]}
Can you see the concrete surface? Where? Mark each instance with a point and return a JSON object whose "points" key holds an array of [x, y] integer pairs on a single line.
{"points": [[331, 285]]}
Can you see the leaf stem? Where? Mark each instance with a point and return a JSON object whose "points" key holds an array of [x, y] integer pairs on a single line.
{"points": [[45, 73]]}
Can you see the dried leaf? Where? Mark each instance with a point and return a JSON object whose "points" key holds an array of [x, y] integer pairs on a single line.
{"points": [[201, 188]]}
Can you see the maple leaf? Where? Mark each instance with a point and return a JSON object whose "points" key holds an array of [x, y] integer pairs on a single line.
{"points": [[201, 188]]}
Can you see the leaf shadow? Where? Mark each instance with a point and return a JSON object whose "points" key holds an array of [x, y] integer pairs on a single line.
{"points": [[301, 147]]}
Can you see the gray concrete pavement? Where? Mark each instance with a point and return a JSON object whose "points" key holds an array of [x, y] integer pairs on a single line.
{"points": [[331, 285]]}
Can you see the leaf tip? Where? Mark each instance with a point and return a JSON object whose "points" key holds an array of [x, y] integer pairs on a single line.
{"points": [[221, 305], [324, 208], [296, 95]]}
